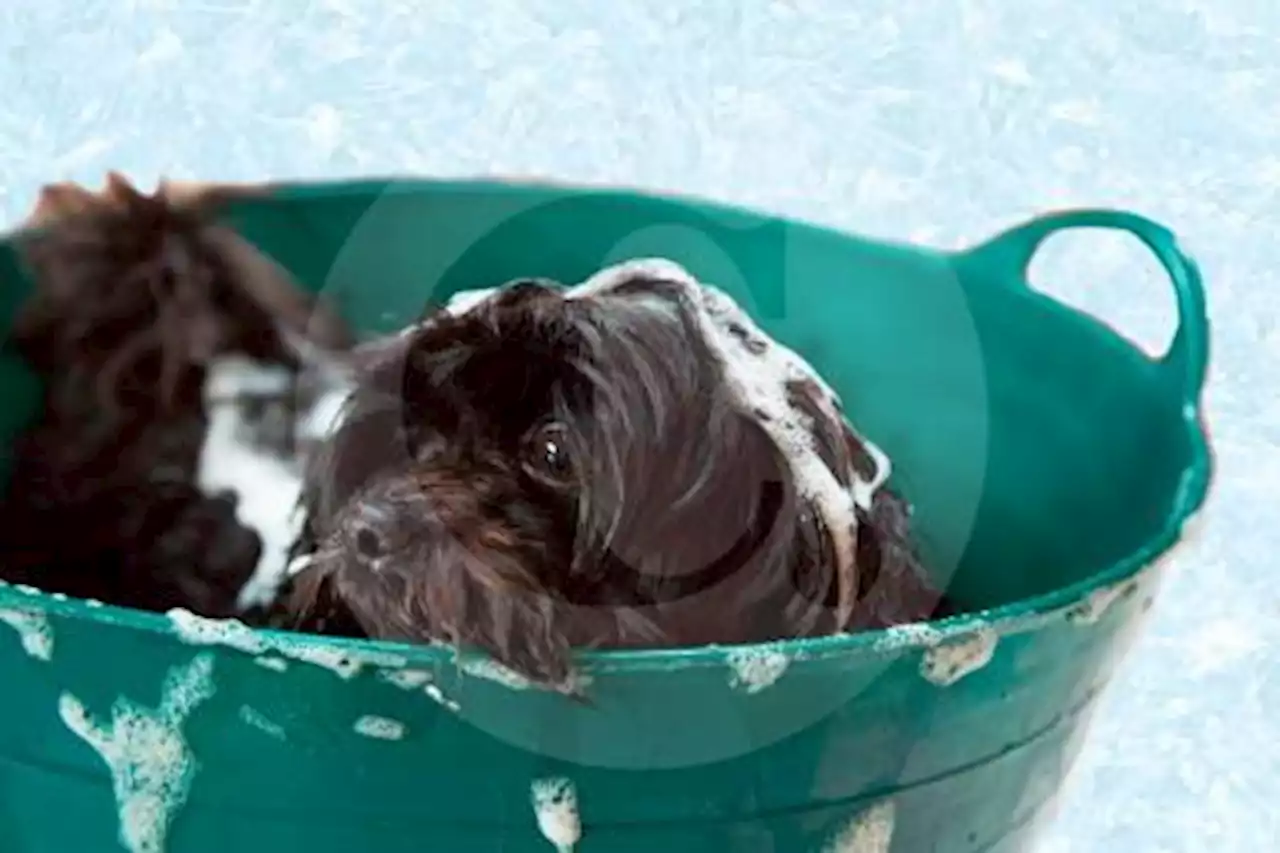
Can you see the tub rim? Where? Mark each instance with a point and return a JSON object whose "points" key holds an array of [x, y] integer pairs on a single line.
{"points": [[1012, 617]]}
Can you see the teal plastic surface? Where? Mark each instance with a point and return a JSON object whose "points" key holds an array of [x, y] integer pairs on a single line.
{"points": [[1052, 465]]}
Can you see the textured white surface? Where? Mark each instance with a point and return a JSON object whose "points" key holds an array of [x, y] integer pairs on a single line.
{"points": [[939, 124]]}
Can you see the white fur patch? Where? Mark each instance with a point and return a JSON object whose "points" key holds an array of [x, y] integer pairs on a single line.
{"points": [[267, 485]]}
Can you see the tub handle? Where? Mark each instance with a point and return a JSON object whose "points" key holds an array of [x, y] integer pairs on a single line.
{"points": [[1187, 358]]}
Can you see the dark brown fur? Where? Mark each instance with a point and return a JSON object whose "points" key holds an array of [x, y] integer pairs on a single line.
{"points": [[133, 295], [168, 546], [432, 513]]}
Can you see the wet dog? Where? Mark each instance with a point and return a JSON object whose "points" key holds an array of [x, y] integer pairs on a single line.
{"points": [[627, 463], [134, 297]]}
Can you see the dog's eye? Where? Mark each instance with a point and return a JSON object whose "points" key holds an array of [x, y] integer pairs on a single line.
{"points": [[368, 544], [546, 455]]}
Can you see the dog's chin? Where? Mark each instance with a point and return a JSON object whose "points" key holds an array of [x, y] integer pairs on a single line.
{"points": [[476, 583]]}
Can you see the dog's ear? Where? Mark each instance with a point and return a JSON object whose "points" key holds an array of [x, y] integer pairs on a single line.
{"points": [[268, 284], [65, 199], [260, 278], [844, 453], [306, 323], [895, 588], [57, 201], [120, 193], [888, 584], [838, 448]]}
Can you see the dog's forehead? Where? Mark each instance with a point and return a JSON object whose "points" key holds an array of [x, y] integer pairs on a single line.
{"points": [[489, 354], [760, 372], [601, 319], [512, 294]]}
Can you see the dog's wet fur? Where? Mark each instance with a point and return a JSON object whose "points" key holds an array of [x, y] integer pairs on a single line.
{"points": [[539, 474], [133, 295]]}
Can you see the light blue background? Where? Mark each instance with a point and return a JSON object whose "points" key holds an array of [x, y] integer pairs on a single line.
{"points": [[938, 124]]}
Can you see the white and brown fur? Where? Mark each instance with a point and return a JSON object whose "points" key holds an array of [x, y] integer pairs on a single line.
{"points": [[135, 296]]}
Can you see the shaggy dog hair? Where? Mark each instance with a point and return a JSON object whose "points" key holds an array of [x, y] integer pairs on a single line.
{"points": [[550, 469], [134, 296]]}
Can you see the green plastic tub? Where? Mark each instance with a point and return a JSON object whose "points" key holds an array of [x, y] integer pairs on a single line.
{"points": [[1052, 465]]}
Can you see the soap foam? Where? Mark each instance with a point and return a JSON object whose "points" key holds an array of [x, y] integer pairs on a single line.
{"points": [[1098, 602], [465, 300], [201, 631], [417, 679], [555, 805], [758, 371], [379, 728], [255, 718], [951, 660], [491, 670], [34, 631], [151, 764], [753, 670], [869, 832]]}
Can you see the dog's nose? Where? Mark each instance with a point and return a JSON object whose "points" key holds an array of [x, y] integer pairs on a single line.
{"points": [[369, 528], [386, 519]]}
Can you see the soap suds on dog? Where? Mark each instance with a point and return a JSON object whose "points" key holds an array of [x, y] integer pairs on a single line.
{"points": [[151, 763], [758, 370], [464, 300]]}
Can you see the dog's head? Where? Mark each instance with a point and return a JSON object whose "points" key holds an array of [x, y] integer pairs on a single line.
{"points": [[626, 463], [143, 287]]}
